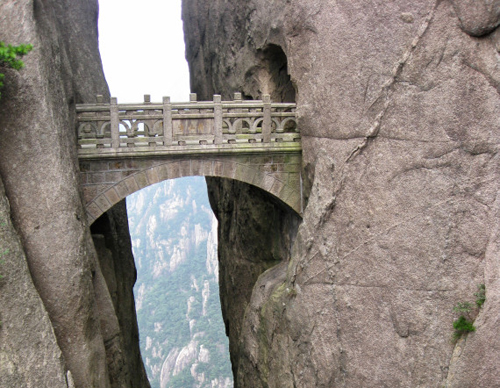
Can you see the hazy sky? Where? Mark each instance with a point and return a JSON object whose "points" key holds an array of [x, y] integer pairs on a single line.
{"points": [[142, 49]]}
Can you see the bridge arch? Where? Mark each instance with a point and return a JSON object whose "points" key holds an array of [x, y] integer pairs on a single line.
{"points": [[107, 182]]}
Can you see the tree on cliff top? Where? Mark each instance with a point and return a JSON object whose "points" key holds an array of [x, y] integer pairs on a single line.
{"points": [[9, 57]]}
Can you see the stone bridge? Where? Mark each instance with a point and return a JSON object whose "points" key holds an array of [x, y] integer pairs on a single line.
{"points": [[126, 147]]}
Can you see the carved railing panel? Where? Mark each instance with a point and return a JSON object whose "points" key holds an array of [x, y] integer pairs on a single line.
{"points": [[195, 123]]}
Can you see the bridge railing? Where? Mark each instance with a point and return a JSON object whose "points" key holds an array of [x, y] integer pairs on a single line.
{"points": [[116, 126]]}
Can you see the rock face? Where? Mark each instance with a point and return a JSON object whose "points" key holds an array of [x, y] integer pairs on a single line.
{"points": [[119, 324], [24, 323], [399, 115], [257, 234], [39, 169]]}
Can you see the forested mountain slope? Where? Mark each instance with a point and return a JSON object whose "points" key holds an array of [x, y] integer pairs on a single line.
{"points": [[174, 238]]}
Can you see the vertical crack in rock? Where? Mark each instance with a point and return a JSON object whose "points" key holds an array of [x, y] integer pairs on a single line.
{"points": [[386, 90]]}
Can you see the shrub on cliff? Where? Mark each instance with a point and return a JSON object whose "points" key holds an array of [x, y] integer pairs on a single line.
{"points": [[9, 58]]}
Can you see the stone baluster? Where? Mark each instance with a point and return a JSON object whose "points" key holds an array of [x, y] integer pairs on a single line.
{"points": [[115, 123], [193, 97], [238, 127], [167, 122], [99, 134], [266, 123], [218, 119]]}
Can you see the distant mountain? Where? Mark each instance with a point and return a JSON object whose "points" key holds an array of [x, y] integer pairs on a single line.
{"points": [[174, 238]]}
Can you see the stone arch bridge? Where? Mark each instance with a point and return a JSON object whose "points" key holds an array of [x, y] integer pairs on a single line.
{"points": [[123, 148]]}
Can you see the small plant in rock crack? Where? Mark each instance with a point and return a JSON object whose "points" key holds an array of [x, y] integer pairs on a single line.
{"points": [[480, 295], [464, 323], [9, 58]]}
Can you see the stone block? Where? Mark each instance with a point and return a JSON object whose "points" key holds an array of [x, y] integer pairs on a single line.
{"points": [[85, 166], [163, 171], [229, 169], [90, 218], [292, 167], [99, 165], [245, 173], [278, 159], [184, 168], [269, 168], [142, 179], [93, 210], [116, 176], [196, 167], [208, 167], [277, 187], [218, 168], [102, 202], [152, 174], [294, 202], [131, 184], [112, 196], [293, 180], [264, 181], [92, 191], [173, 170], [96, 177], [122, 189]]}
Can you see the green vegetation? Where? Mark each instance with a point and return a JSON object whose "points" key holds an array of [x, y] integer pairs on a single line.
{"points": [[9, 58], [480, 295], [463, 308], [464, 323], [179, 208]]}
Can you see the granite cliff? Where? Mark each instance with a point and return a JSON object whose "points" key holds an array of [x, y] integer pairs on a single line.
{"points": [[399, 108], [68, 316], [399, 115]]}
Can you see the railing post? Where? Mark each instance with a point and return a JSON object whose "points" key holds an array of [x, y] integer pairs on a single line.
{"points": [[193, 97], [266, 123], [115, 123], [218, 119], [167, 122], [238, 127]]}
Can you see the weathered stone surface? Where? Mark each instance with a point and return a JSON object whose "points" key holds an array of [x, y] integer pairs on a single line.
{"points": [[258, 233], [37, 143], [24, 323], [478, 18], [39, 167], [399, 116], [112, 241]]}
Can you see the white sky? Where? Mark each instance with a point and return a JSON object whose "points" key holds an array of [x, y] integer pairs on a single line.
{"points": [[142, 49]]}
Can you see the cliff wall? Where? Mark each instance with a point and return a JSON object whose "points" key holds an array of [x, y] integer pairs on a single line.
{"points": [[399, 108], [48, 233]]}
